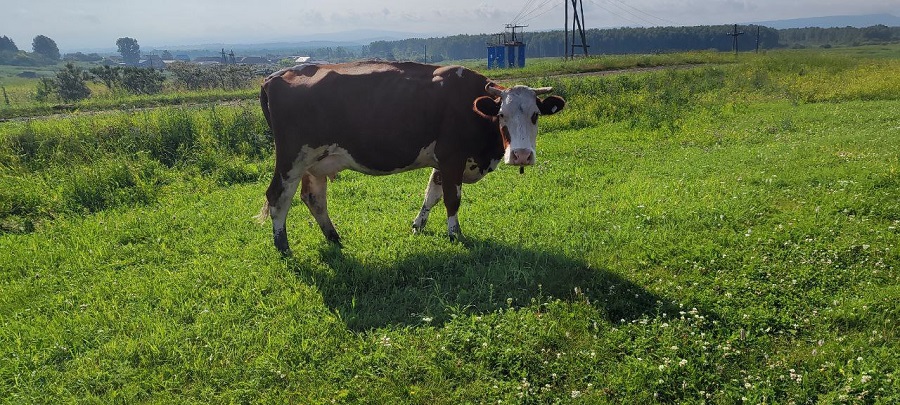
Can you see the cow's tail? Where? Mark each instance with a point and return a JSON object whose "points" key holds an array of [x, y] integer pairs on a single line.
{"points": [[264, 103], [263, 213]]}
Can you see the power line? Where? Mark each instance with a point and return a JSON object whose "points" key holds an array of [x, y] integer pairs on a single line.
{"points": [[631, 17], [646, 13], [533, 16], [643, 20], [614, 13], [522, 11], [527, 12]]}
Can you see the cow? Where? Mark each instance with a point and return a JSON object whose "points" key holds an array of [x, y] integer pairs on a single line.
{"points": [[380, 118]]}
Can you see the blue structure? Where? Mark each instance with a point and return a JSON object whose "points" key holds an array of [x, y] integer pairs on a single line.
{"points": [[508, 55]]}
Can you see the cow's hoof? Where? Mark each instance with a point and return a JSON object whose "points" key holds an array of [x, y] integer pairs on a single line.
{"points": [[455, 236], [418, 227], [333, 237], [281, 243]]}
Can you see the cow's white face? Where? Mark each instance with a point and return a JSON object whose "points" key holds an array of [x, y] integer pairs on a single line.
{"points": [[516, 110], [518, 118]]}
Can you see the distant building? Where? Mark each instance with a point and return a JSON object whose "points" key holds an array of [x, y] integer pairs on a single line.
{"points": [[182, 58], [253, 60], [152, 61], [308, 60], [207, 60]]}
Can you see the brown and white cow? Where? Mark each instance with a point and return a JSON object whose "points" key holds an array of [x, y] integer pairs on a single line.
{"points": [[382, 118]]}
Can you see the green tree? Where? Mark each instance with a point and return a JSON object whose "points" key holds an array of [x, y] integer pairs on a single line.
{"points": [[45, 47], [71, 85], [129, 49], [7, 45], [878, 32]]}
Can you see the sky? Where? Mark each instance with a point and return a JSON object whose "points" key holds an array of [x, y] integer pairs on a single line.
{"points": [[96, 24]]}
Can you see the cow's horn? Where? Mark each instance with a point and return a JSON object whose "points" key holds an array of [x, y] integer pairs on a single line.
{"points": [[542, 90], [492, 90]]}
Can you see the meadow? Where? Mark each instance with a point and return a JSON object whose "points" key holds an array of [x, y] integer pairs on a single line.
{"points": [[717, 234]]}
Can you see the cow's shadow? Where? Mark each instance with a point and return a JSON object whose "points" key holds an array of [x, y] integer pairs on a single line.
{"points": [[479, 276]]}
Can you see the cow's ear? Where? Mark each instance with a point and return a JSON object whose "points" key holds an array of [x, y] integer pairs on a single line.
{"points": [[486, 107], [551, 105]]}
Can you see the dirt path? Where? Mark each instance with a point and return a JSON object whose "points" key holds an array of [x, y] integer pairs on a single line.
{"points": [[610, 72]]}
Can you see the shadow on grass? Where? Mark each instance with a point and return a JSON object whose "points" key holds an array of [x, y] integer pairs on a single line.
{"points": [[428, 288]]}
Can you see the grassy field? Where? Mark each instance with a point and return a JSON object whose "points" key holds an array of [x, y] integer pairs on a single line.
{"points": [[718, 234]]}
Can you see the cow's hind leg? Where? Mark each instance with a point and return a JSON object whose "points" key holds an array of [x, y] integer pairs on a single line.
{"points": [[433, 194], [280, 195], [313, 192]]}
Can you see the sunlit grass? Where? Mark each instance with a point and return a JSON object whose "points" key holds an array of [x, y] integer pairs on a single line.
{"points": [[725, 234]]}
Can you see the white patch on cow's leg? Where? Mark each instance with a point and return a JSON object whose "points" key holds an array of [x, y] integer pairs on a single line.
{"points": [[452, 199], [453, 230], [313, 192], [433, 194], [282, 192]]}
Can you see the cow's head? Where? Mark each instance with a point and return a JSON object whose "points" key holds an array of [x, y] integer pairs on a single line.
{"points": [[516, 110]]}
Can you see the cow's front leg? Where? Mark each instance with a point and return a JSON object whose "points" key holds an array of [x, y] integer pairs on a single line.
{"points": [[313, 192], [451, 183], [433, 194]]}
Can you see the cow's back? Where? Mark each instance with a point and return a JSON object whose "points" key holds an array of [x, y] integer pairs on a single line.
{"points": [[384, 114]]}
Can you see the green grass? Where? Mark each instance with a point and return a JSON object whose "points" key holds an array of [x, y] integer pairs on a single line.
{"points": [[539, 67], [675, 243]]}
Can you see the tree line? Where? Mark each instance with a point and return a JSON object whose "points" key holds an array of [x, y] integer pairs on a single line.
{"points": [[540, 44], [44, 52], [630, 40]]}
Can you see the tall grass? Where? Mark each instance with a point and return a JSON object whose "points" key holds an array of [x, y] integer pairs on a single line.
{"points": [[674, 103], [94, 162]]}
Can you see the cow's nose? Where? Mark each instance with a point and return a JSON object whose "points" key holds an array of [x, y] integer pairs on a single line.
{"points": [[522, 157]]}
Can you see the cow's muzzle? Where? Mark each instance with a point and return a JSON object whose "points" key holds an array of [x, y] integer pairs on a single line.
{"points": [[521, 157]]}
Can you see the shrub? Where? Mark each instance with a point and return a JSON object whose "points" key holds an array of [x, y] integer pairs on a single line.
{"points": [[194, 77], [46, 88], [71, 85], [142, 81]]}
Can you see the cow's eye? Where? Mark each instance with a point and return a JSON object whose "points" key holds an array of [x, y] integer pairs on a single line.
{"points": [[534, 118]]}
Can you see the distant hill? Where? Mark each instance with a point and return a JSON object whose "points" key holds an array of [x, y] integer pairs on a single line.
{"points": [[858, 21], [347, 39]]}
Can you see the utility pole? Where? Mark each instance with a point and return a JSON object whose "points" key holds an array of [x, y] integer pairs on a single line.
{"points": [[757, 39], [577, 22], [734, 39], [513, 28]]}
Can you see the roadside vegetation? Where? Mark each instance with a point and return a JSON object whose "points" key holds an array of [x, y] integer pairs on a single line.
{"points": [[725, 232]]}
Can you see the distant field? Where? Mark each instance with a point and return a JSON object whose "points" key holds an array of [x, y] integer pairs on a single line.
{"points": [[726, 233]]}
